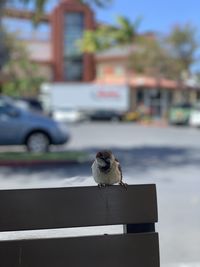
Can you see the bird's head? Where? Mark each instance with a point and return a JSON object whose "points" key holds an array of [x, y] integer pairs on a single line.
{"points": [[105, 159]]}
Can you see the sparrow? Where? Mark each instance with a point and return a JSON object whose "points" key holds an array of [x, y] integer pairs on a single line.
{"points": [[106, 169]]}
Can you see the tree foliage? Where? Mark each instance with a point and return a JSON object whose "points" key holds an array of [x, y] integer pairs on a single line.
{"points": [[96, 41], [171, 56], [21, 76], [4, 49], [183, 45], [106, 36], [150, 57]]}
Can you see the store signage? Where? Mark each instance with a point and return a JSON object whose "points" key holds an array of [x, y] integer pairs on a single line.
{"points": [[107, 94]]}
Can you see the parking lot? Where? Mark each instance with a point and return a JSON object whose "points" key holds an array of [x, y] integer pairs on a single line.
{"points": [[167, 156]]}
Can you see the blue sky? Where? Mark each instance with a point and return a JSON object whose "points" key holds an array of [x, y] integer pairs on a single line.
{"points": [[157, 15]]}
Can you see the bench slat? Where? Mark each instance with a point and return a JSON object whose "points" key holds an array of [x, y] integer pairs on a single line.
{"points": [[29, 209], [128, 250]]}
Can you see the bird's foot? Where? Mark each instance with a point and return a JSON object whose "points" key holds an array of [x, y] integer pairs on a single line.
{"points": [[101, 185], [124, 185]]}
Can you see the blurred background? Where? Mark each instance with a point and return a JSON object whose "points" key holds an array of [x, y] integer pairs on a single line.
{"points": [[80, 76]]}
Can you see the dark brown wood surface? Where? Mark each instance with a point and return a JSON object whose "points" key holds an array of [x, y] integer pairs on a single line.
{"points": [[27, 209], [128, 250]]}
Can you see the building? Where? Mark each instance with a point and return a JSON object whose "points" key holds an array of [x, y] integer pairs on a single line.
{"points": [[58, 56], [61, 61], [157, 94]]}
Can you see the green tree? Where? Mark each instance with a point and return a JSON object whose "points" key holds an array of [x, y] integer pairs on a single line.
{"points": [[21, 77], [125, 31], [170, 57], [4, 49], [183, 45], [105, 36], [150, 57]]}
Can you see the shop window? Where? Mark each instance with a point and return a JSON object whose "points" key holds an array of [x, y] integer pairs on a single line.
{"points": [[155, 94], [140, 96]]}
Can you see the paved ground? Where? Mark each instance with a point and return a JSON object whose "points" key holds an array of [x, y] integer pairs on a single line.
{"points": [[169, 157]]}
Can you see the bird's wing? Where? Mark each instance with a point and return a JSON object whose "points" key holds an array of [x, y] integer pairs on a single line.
{"points": [[119, 168]]}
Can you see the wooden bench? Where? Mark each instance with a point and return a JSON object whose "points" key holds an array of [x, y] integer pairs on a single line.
{"points": [[31, 209]]}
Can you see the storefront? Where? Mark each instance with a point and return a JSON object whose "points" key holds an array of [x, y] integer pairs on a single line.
{"points": [[156, 100]]}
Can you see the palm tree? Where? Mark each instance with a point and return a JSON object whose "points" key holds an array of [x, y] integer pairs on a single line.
{"points": [[126, 31], [126, 35], [106, 36]]}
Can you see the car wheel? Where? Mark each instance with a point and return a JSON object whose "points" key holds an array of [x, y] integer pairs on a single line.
{"points": [[38, 142]]}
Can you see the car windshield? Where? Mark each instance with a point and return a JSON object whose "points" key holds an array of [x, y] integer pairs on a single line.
{"points": [[6, 100]]}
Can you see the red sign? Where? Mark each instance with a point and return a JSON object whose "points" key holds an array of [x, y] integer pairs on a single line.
{"points": [[107, 94]]}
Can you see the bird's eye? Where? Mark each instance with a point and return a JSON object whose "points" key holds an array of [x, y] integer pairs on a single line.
{"points": [[99, 154]]}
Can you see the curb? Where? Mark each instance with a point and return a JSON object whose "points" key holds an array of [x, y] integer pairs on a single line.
{"points": [[25, 163]]}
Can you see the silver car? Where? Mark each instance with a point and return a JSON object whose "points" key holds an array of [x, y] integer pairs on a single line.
{"points": [[21, 127]]}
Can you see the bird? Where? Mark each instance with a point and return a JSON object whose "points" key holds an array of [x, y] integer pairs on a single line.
{"points": [[106, 169]]}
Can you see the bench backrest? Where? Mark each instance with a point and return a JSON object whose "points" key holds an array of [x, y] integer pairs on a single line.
{"points": [[31, 209]]}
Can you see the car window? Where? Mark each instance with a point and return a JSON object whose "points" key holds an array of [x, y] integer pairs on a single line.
{"points": [[7, 109], [33, 104]]}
